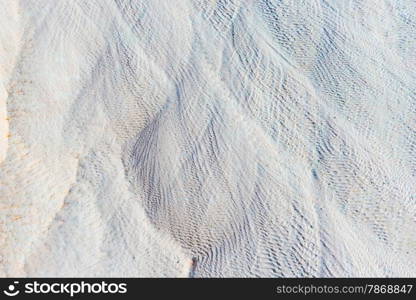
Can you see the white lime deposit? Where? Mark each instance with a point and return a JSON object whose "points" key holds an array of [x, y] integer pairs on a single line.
{"points": [[207, 138]]}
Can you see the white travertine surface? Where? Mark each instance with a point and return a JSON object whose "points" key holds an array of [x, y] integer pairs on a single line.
{"points": [[196, 138]]}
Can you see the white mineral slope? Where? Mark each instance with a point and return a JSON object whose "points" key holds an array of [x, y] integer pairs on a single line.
{"points": [[207, 138], [9, 42]]}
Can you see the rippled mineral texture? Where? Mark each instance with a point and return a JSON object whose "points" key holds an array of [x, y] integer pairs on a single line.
{"points": [[200, 138]]}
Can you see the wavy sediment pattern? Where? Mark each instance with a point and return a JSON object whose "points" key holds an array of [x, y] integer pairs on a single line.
{"points": [[208, 138]]}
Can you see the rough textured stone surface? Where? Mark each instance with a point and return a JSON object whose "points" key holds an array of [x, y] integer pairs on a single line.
{"points": [[207, 138]]}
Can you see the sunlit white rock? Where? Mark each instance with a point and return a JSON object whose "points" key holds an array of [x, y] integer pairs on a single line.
{"points": [[207, 138]]}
